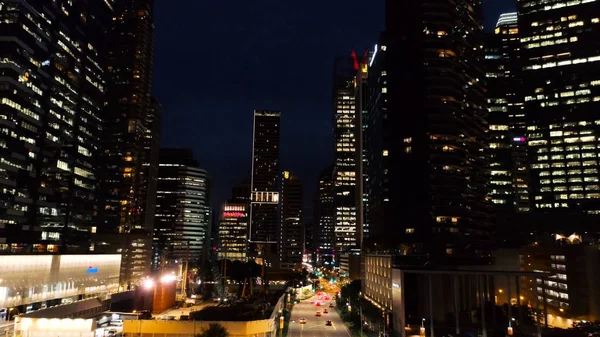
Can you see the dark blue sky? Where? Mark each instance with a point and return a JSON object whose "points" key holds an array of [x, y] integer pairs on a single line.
{"points": [[218, 60]]}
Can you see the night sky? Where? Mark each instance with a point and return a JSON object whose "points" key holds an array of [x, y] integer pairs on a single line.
{"points": [[218, 60]]}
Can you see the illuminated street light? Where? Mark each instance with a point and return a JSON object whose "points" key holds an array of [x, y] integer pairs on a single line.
{"points": [[148, 283], [167, 278]]}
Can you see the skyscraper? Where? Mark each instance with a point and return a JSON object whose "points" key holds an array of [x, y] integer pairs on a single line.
{"points": [[426, 136], [323, 219], [361, 94], [182, 227], [52, 91], [561, 84], [508, 176], [264, 186], [291, 227], [130, 145], [345, 167]]}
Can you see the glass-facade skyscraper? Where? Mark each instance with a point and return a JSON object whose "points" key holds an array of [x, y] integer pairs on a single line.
{"points": [[346, 159], [52, 87], [507, 124], [561, 85], [183, 217]]}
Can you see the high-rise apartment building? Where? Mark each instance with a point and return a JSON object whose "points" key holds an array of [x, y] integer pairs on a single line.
{"points": [[561, 85], [345, 167], [426, 136], [52, 92], [323, 219], [508, 146], [291, 227], [182, 224], [233, 230], [126, 213], [264, 187]]}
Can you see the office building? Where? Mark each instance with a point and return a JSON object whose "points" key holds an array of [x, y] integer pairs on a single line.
{"points": [[52, 91], [127, 186], [508, 147], [561, 85], [323, 218], [291, 227], [427, 133], [233, 230], [182, 224], [264, 187], [345, 166]]}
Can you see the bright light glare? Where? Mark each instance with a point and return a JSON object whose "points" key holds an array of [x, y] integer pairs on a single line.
{"points": [[148, 283], [167, 278]]}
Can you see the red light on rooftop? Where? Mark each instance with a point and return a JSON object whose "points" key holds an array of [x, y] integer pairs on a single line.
{"points": [[233, 214], [355, 59]]}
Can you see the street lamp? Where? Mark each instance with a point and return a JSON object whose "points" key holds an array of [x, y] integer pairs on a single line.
{"points": [[10, 310], [422, 329]]}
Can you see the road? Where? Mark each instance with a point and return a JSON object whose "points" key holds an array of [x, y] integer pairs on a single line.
{"points": [[315, 326]]}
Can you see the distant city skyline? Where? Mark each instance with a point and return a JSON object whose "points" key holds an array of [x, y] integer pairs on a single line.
{"points": [[241, 55]]}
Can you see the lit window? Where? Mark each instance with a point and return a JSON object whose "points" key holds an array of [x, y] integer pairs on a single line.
{"points": [[385, 153]]}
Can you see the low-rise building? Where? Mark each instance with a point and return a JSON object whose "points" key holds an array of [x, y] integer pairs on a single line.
{"points": [[33, 282], [570, 291]]}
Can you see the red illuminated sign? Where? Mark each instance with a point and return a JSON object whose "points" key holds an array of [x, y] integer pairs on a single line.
{"points": [[233, 214]]}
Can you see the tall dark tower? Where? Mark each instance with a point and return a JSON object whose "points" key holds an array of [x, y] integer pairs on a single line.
{"points": [[128, 185], [264, 187], [52, 92], [291, 226], [561, 84], [426, 136]]}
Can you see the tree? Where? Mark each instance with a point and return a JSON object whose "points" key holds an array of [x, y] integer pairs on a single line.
{"points": [[214, 330]]}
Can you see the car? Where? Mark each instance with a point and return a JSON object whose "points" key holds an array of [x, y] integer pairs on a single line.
{"points": [[328, 323], [331, 305], [318, 304], [318, 314], [325, 311], [302, 320]]}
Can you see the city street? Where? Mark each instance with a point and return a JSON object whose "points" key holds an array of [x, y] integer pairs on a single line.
{"points": [[315, 326]]}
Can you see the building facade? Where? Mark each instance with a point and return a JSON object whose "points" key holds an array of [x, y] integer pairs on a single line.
{"points": [[291, 226], [52, 91], [507, 128], [233, 230], [427, 159], [183, 217], [33, 282], [570, 290], [324, 219], [561, 84], [264, 187], [127, 185], [346, 230]]}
